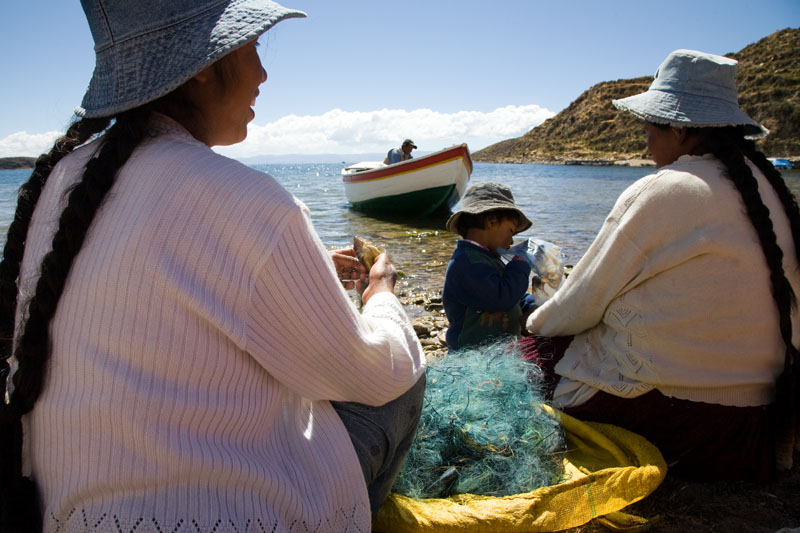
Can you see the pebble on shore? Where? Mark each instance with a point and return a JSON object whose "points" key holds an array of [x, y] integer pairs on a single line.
{"points": [[431, 326]]}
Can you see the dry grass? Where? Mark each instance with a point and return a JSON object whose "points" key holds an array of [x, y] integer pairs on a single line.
{"points": [[591, 128]]}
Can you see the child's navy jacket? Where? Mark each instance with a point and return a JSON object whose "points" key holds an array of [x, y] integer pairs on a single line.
{"points": [[482, 297]]}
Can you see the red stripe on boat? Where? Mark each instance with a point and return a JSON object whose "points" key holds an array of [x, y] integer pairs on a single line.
{"points": [[430, 160]]}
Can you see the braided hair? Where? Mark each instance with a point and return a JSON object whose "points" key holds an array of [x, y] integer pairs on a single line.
{"points": [[17, 494], [729, 145], [78, 133], [19, 508]]}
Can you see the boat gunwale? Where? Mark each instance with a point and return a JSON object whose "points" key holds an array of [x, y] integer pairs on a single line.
{"points": [[398, 169]]}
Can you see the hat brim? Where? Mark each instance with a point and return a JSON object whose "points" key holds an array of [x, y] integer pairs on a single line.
{"points": [[685, 110], [135, 71], [524, 222]]}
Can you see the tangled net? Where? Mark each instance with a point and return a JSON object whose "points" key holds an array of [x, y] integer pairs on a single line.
{"points": [[482, 430]]}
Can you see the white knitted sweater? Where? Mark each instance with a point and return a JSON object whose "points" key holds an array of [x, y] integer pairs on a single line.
{"points": [[200, 337], [674, 294]]}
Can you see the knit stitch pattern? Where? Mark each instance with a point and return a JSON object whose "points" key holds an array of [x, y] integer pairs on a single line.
{"points": [[199, 340]]}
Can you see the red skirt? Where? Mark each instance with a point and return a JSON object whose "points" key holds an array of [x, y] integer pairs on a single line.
{"points": [[699, 441]]}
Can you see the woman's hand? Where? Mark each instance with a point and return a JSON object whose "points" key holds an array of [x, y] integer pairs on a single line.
{"points": [[349, 269], [382, 277]]}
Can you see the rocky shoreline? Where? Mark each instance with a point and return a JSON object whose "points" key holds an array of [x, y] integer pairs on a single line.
{"points": [[431, 326], [21, 163], [573, 162], [636, 163]]}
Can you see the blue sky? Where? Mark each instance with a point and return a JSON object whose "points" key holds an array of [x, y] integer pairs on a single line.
{"points": [[357, 76]]}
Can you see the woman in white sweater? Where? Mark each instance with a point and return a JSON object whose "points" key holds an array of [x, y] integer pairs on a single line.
{"points": [[682, 310], [180, 332]]}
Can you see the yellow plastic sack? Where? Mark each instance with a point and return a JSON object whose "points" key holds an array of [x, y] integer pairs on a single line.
{"points": [[606, 469]]}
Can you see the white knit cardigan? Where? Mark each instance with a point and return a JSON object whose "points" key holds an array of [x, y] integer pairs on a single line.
{"points": [[674, 295], [200, 337]]}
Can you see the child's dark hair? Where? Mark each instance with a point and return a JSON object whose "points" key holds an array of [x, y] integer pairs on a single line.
{"points": [[467, 221]]}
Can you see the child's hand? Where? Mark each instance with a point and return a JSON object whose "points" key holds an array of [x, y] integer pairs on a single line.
{"points": [[382, 277]]}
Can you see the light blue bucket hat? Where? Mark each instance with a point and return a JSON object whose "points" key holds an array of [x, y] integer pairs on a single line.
{"points": [[147, 48], [693, 90]]}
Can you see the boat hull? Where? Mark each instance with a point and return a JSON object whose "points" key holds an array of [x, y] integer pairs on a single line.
{"points": [[422, 202], [418, 186]]}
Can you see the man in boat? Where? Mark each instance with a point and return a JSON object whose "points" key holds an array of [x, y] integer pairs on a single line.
{"points": [[397, 155]]}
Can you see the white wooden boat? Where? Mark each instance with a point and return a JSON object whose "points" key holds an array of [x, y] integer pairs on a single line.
{"points": [[418, 186]]}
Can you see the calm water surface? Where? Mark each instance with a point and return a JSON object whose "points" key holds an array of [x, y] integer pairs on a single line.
{"points": [[567, 205]]}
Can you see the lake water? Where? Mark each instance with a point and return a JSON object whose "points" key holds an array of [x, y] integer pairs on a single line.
{"points": [[567, 205]]}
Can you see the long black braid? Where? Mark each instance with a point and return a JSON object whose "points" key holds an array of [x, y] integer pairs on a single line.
{"points": [[78, 133], [20, 510], [787, 405], [786, 197], [730, 147], [15, 491]]}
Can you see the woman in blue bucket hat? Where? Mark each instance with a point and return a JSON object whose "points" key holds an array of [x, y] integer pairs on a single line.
{"points": [[185, 356], [680, 322]]}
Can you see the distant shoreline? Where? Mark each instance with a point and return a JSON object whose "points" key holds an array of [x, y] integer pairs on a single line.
{"points": [[17, 163], [634, 163], [638, 163], [25, 163], [28, 163]]}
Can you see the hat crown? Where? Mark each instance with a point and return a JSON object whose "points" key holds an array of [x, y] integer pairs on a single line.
{"points": [[693, 89], [488, 196], [698, 73], [487, 191], [112, 21], [146, 48]]}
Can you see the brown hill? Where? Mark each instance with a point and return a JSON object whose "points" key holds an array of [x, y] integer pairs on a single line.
{"points": [[592, 129], [16, 163], [769, 89]]}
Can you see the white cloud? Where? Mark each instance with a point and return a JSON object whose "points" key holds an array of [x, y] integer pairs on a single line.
{"points": [[27, 144], [351, 132], [355, 132]]}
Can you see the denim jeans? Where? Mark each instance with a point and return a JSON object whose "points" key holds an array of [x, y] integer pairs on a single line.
{"points": [[382, 437]]}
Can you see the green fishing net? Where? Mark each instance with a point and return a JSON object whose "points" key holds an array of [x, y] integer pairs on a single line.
{"points": [[481, 429]]}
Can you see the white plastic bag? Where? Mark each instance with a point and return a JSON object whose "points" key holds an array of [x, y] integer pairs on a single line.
{"points": [[546, 263]]}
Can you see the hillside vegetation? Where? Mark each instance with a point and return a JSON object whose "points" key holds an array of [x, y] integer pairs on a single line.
{"points": [[592, 129], [16, 163]]}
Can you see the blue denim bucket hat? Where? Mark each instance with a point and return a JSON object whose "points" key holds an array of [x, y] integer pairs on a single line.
{"points": [[147, 48], [693, 90]]}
